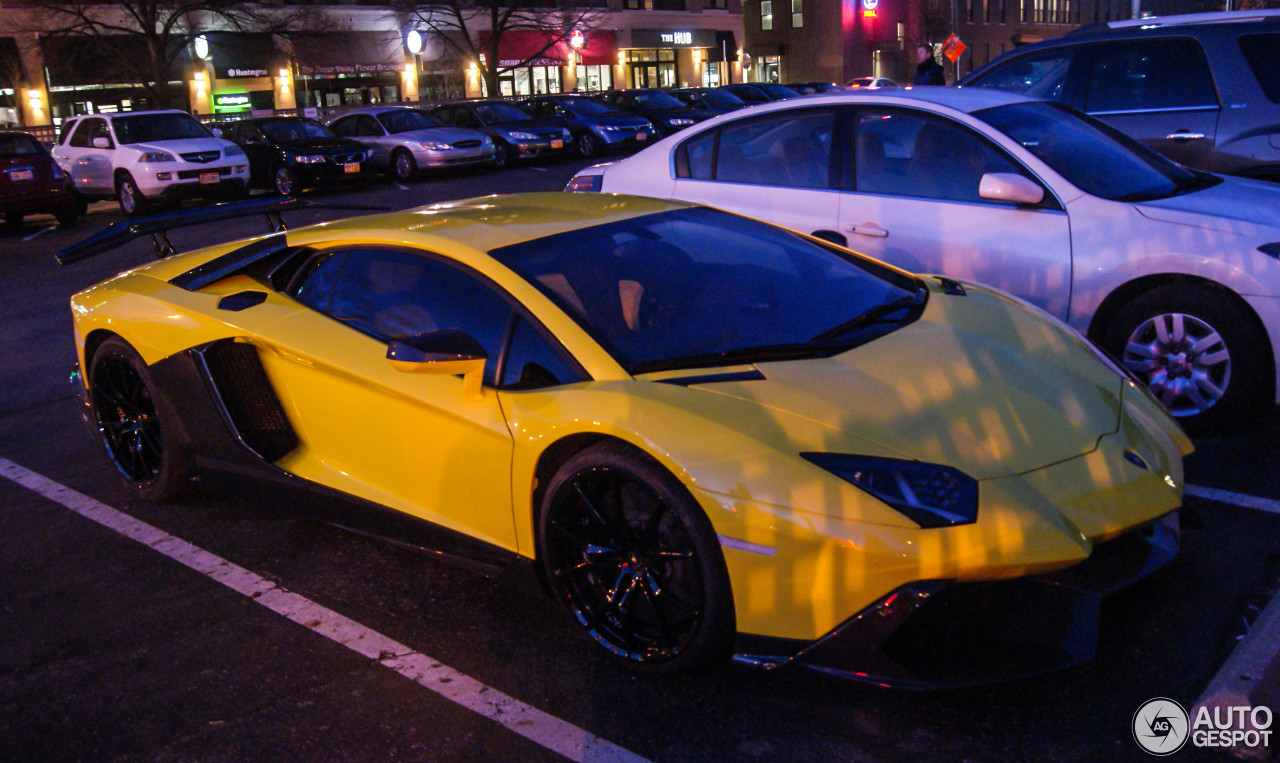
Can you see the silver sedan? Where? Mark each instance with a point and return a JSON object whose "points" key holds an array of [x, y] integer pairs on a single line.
{"points": [[405, 140]]}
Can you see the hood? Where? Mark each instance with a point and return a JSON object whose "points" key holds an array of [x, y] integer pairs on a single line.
{"points": [[673, 113], [1235, 205], [445, 134], [979, 382], [616, 118], [322, 144], [182, 146]]}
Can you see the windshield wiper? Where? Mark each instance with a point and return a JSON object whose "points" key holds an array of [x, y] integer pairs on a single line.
{"points": [[875, 314]]}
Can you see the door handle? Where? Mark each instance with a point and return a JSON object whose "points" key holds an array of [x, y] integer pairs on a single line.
{"points": [[867, 229], [1184, 135]]}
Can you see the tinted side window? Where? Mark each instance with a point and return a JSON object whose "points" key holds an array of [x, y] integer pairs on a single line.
{"points": [[313, 286], [1262, 51], [367, 126], [345, 127], [791, 149], [1041, 75], [1135, 75], [388, 294], [87, 131], [906, 153], [533, 361], [67, 129], [694, 157]]}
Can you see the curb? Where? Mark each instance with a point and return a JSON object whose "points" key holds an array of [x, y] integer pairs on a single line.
{"points": [[1250, 677]]}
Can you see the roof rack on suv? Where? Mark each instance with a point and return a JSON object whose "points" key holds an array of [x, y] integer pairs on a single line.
{"points": [[1216, 17]]}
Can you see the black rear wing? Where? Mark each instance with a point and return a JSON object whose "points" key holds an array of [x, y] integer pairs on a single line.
{"points": [[158, 226]]}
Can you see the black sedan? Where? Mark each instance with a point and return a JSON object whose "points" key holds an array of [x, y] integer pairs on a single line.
{"points": [[760, 92], [292, 153], [516, 133], [668, 114], [709, 98]]}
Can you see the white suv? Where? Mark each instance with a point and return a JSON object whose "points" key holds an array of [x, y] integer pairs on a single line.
{"points": [[139, 156]]}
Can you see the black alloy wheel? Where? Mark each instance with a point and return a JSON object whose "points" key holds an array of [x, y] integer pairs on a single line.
{"points": [[635, 561], [134, 422]]}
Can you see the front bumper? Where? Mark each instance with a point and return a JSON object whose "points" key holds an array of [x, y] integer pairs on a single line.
{"points": [[182, 180], [543, 148], [48, 197], [629, 139], [455, 157], [939, 633], [329, 173]]}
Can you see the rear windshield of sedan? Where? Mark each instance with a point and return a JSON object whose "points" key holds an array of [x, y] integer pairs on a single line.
{"points": [[583, 106], [1093, 156], [654, 99], [404, 120], [152, 127], [17, 144], [698, 287], [283, 130], [502, 112], [723, 98]]}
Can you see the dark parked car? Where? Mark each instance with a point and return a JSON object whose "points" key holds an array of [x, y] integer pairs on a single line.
{"points": [[709, 98], [809, 88], [1202, 89], [760, 92], [32, 183], [595, 127], [290, 154], [666, 113], [516, 133]]}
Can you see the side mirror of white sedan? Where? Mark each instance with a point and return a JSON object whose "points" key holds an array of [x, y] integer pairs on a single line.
{"points": [[1010, 187]]}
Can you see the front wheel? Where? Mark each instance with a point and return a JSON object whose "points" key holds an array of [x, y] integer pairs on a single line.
{"points": [[504, 156], [1201, 355], [286, 181], [587, 144], [136, 424], [66, 216], [132, 202], [635, 561], [403, 166]]}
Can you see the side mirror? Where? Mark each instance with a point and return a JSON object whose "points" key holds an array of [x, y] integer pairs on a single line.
{"points": [[217, 132], [1011, 187], [441, 352], [101, 142]]}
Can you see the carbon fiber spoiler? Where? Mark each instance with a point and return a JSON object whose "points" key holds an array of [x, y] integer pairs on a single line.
{"points": [[158, 226]]}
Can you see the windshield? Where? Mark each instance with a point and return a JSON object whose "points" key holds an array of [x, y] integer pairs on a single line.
{"points": [[148, 128], [18, 144], [750, 94], [1091, 155], [282, 130], [777, 91], [698, 287], [501, 112], [404, 120], [723, 98], [656, 100], [586, 107]]}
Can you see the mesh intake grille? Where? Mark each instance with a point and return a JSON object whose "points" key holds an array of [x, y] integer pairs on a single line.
{"points": [[250, 403]]}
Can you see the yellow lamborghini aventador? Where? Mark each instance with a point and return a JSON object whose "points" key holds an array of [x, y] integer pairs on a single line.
{"points": [[709, 436]]}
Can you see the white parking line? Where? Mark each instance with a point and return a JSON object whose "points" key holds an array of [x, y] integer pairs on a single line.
{"points": [[40, 232], [401, 186], [527, 721], [539, 169], [1237, 499]]}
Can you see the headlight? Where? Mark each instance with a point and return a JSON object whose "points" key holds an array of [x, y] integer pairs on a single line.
{"points": [[309, 159], [928, 494], [680, 122], [433, 145], [585, 184], [157, 156], [524, 136], [233, 151]]}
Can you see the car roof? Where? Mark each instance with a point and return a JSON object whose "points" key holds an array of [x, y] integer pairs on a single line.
{"points": [[489, 222], [961, 99]]}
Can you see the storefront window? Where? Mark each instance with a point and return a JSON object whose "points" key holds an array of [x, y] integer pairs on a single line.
{"points": [[594, 79], [530, 80], [770, 69], [652, 67], [711, 74]]}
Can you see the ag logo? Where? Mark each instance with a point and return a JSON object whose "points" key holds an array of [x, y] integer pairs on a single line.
{"points": [[1160, 726]]}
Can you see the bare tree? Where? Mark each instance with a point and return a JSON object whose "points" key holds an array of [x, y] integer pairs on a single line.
{"points": [[935, 20], [146, 41], [456, 25]]}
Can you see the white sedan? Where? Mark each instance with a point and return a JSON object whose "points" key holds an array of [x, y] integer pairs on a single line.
{"points": [[1174, 271]]}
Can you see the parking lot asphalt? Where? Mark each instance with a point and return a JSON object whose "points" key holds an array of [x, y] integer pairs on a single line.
{"points": [[112, 650]]}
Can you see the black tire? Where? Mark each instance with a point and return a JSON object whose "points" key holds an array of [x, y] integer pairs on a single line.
{"points": [[81, 205], [132, 202], [13, 219], [1214, 368], [66, 216], [285, 181], [403, 166], [137, 425], [587, 144], [504, 156], [635, 561]]}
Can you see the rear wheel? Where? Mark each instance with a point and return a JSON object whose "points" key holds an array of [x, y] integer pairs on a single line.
{"points": [[1201, 355], [132, 202], [286, 181], [635, 561], [403, 165], [587, 144], [137, 425]]}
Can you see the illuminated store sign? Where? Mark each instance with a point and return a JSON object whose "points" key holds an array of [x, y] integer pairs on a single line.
{"points": [[231, 102]]}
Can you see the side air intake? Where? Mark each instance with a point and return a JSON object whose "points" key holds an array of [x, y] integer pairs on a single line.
{"points": [[251, 405]]}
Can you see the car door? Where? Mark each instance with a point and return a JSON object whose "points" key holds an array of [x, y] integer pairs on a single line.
{"points": [[911, 199], [418, 442], [777, 167], [262, 154], [1157, 90], [88, 164]]}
